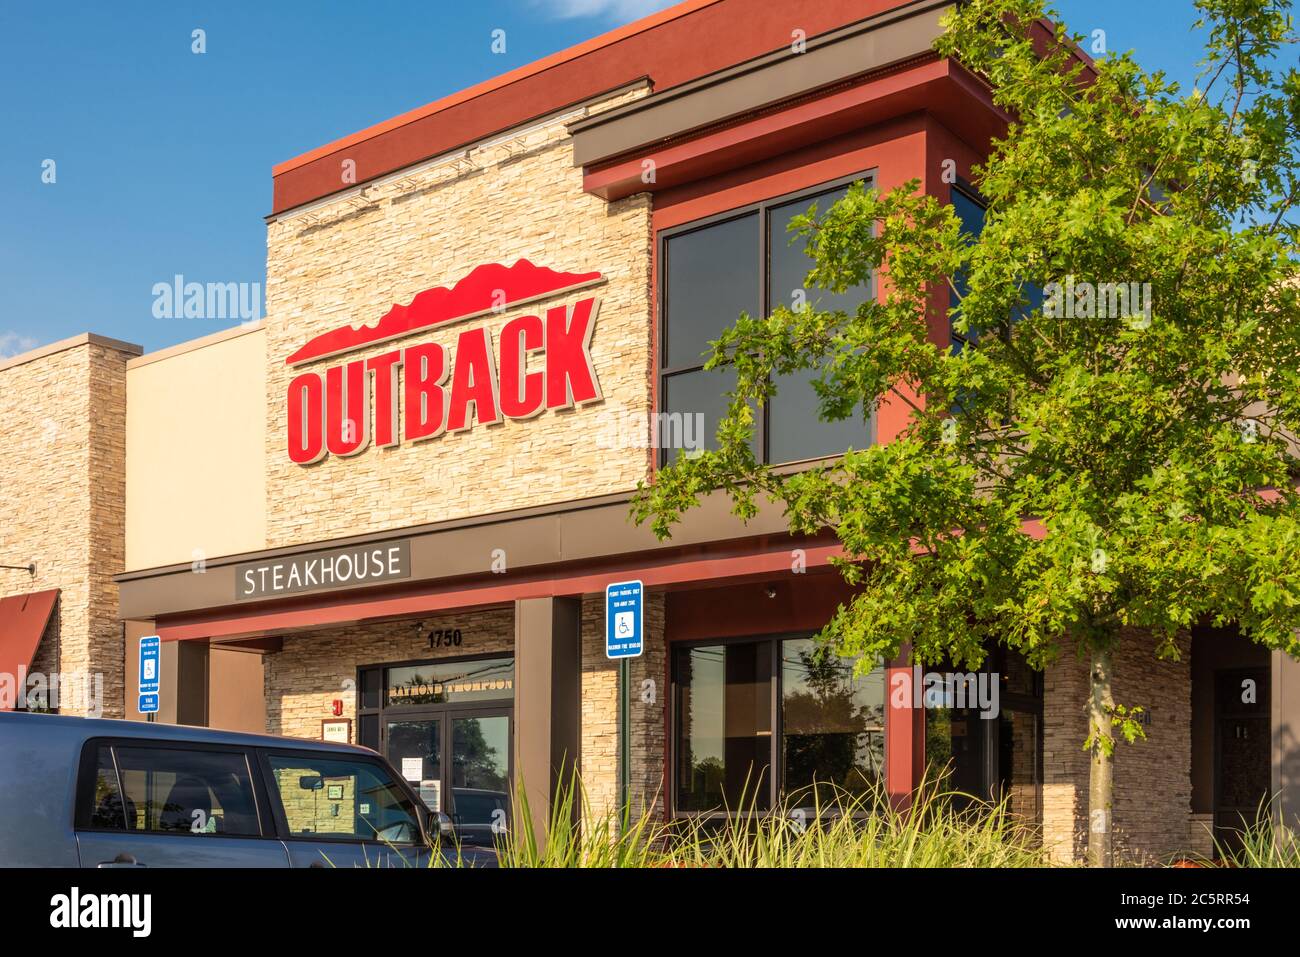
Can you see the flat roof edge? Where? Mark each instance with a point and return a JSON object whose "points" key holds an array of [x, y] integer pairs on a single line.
{"points": [[917, 8], [192, 345], [506, 132], [72, 342]]}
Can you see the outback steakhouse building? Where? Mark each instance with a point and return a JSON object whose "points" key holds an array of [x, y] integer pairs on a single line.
{"points": [[389, 511]]}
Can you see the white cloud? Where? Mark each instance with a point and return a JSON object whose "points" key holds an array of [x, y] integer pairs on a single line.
{"points": [[621, 10], [12, 343]]}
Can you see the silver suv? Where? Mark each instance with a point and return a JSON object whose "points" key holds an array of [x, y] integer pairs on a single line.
{"points": [[82, 792]]}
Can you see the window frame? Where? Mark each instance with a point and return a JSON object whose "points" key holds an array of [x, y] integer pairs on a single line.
{"points": [[385, 666], [775, 749], [87, 773], [763, 209]]}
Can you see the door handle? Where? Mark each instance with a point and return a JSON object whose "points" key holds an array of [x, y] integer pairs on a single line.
{"points": [[122, 860]]}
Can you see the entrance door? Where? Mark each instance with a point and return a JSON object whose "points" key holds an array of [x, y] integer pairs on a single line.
{"points": [[480, 774], [414, 746], [1242, 753], [460, 762]]}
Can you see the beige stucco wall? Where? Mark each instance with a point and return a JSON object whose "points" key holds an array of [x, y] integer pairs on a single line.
{"points": [[196, 452], [63, 445], [348, 261]]}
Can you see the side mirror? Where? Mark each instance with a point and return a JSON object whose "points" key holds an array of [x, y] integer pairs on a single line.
{"points": [[438, 827], [445, 829], [311, 782]]}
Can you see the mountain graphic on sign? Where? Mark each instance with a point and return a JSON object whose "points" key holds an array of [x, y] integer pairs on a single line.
{"points": [[487, 288]]}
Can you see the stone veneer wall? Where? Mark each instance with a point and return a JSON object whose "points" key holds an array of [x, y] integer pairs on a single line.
{"points": [[349, 260], [1153, 787], [600, 711], [304, 678], [62, 497]]}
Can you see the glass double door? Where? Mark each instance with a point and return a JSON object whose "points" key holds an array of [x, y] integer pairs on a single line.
{"points": [[460, 762]]}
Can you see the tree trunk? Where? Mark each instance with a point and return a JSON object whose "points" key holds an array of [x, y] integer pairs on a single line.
{"points": [[1101, 771]]}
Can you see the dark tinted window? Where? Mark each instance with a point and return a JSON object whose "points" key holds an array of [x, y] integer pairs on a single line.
{"points": [[368, 731], [795, 429], [107, 811], [724, 723], [712, 277], [827, 729], [478, 808], [372, 684], [969, 212], [789, 262], [971, 215], [187, 792], [693, 404], [832, 724]]}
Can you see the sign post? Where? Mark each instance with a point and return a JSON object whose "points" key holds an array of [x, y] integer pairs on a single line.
{"points": [[624, 640], [150, 677]]}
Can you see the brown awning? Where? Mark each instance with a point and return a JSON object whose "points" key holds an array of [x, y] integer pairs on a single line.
{"points": [[22, 622]]}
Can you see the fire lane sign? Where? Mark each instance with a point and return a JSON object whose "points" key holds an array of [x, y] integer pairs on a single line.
{"points": [[623, 632], [150, 679]]}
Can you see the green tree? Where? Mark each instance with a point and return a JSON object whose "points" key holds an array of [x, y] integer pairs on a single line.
{"points": [[1074, 472]]}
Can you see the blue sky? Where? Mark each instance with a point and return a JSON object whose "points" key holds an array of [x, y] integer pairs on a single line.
{"points": [[163, 157]]}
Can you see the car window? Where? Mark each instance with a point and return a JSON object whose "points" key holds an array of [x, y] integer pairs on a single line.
{"points": [[175, 791], [107, 810], [342, 799], [478, 808]]}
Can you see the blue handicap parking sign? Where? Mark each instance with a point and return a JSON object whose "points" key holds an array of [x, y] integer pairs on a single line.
{"points": [[623, 620], [150, 676]]}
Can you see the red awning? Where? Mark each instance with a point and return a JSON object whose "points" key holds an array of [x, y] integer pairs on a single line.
{"points": [[22, 622]]}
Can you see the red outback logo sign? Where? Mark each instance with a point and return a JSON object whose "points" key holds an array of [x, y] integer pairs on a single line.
{"points": [[535, 365]]}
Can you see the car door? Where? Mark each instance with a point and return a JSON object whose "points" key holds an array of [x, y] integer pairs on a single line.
{"points": [[343, 810], [145, 804]]}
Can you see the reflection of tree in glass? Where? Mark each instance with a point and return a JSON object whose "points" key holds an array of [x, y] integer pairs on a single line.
{"points": [[707, 778], [409, 739], [832, 731], [439, 683], [938, 743], [476, 762]]}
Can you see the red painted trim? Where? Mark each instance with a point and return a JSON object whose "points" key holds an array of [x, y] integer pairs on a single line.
{"points": [[891, 148], [904, 738], [800, 602], [891, 94], [326, 610]]}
